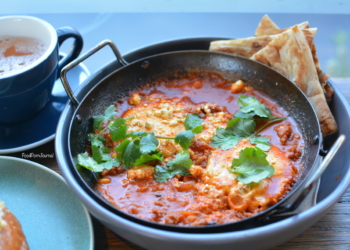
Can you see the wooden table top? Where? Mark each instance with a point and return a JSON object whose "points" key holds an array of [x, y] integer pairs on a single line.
{"points": [[331, 232]]}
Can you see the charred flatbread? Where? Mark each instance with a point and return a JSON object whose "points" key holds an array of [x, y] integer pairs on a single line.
{"points": [[243, 47], [289, 53], [266, 27], [247, 47]]}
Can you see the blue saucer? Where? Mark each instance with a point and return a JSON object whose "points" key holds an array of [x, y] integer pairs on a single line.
{"points": [[40, 129]]}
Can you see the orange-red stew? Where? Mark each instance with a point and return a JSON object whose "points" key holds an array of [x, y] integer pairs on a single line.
{"points": [[210, 193]]}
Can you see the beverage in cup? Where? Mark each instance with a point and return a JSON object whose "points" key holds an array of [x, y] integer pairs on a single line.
{"points": [[30, 64]]}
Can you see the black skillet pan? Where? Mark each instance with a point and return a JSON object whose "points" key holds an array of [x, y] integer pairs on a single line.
{"points": [[136, 74]]}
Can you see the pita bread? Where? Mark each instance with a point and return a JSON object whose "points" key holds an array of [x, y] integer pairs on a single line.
{"points": [[249, 46], [266, 27], [302, 26], [244, 47], [323, 77], [289, 53]]}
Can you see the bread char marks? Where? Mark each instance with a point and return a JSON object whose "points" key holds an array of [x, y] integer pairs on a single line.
{"points": [[265, 193]]}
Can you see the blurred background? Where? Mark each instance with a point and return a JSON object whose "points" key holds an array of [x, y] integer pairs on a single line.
{"points": [[132, 24]]}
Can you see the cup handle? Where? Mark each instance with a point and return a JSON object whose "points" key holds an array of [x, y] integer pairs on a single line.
{"points": [[63, 34]]}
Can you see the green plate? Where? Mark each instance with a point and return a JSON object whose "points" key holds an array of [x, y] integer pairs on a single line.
{"points": [[51, 215]]}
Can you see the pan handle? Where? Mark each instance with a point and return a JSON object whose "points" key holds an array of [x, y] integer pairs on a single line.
{"points": [[80, 59], [311, 182]]}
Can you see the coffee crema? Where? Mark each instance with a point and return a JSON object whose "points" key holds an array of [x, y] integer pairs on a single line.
{"points": [[17, 53]]}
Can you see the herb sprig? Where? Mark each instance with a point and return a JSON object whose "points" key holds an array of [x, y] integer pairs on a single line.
{"points": [[251, 166], [193, 125], [140, 147], [136, 148], [243, 125], [180, 165]]}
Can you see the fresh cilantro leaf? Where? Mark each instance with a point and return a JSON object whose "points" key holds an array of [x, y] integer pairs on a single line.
{"points": [[193, 122], [162, 174], [251, 166], [138, 152], [131, 154], [98, 120], [88, 162], [99, 151], [109, 114], [112, 162], [261, 142], [122, 146], [193, 125], [244, 101], [148, 143], [240, 114], [182, 161], [197, 129], [241, 127], [180, 165], [184, 138], [136, 134], [250, 105], [147, 158], [237, 129], [128, 152], [117, 129], [224, 139]]}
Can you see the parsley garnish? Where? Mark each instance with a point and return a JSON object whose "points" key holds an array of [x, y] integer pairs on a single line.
{"points": [[193, 125], [108, 115], [184, 138], [148, 143], [193, 122], [251, 166], [261, 142], [150, 157], [243, 125], [88, 162], [129, 152], [138, 151], [101, 158], [135, 148], [180, 165], [225, 139], [251, 107], [117, 129]]}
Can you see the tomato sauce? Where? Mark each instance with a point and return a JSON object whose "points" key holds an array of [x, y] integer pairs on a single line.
{"points": [[210, 194]]}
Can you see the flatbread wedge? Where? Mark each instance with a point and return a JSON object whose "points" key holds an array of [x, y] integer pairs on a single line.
{"points": [[243, 47], [247, 47], [289, 53], [266, 27]]}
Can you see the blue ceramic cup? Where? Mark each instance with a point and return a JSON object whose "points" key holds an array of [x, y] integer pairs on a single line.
{"points": [[25, 91]]}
